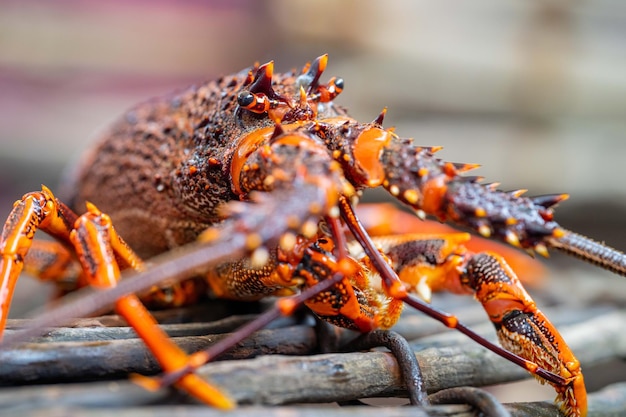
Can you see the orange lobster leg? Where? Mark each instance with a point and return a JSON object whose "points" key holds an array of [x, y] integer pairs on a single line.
{"points": [[434, 263], [522, 328], [38, 210], [101, 253], [53, 261]]}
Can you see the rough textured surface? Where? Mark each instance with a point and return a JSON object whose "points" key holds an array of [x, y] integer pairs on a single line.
{"points": [[447, 360]]}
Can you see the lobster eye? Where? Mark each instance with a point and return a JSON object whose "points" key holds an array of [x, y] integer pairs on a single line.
{"points": [[245, 98]]}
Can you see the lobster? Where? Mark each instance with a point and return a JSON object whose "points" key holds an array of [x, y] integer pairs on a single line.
{"points": [[260, 173]]}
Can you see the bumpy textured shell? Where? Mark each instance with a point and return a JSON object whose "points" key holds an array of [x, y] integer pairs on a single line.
{"points": [[162, 171]]}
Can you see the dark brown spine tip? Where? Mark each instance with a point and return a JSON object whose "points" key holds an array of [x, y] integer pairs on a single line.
{"points": [[278, 131], [250, 76], [263, 80], [314, 72], [549, 200], [381, 117], [517, 193], [493, 186], [464, 167]]}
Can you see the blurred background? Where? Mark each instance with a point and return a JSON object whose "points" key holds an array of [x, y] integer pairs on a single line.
{"points": [[533, 91]]}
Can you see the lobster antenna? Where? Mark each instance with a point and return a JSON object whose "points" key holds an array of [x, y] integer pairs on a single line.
{"points": [[591, 251]]}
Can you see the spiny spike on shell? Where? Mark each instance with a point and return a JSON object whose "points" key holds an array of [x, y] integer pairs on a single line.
{"points": [[287, 241], [480, 212], [510, 221], [484, 230], [303, 99], [379, 119], [47, 191], [263, 80], [250, 76], [318, 66], [259, 257], [517, 193], [309, 229], [549, 200], [493, 186], [253, 241], [311, 73], [91, 208], [558, 233], [542, 250], [512, 238], [278, 130], [463, 167], [411, 196], [430, 149], [423, 290], [321, 62]]}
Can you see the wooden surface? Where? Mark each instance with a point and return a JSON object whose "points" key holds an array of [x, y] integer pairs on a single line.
{"points": [[275, 368]]}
